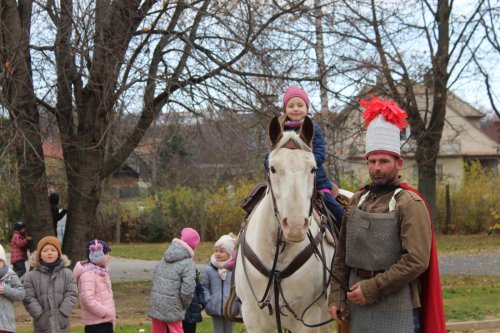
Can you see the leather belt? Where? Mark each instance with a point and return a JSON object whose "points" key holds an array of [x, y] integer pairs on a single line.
{"points": [[364, 274]]}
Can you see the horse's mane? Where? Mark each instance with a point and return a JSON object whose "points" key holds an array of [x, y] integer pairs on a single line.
{"points": [[292, 136]]}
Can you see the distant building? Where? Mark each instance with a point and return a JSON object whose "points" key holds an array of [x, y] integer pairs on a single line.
{"points": [[462, 141]]}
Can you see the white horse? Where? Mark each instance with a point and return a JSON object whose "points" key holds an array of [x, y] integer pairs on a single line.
{"points": [[276, 234]]}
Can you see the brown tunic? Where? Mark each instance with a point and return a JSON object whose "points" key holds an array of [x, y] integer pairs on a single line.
{"points": [[415, 236]]}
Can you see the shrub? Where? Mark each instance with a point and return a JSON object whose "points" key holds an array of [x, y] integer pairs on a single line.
{"points": [[213, 210], [133, 216], [157, 228], [223, 215], [475, 203]]}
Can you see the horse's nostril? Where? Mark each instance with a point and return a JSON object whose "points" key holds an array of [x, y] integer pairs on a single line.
{"points": [[307, 223], [285, 222]]}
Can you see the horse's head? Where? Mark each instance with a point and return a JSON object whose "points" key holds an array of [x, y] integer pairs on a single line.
{"points": [[292, 171]]}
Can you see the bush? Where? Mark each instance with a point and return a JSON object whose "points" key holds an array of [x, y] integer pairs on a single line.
{"points": [[157, 228], [213, 210], [475, 203], [133, 215]]}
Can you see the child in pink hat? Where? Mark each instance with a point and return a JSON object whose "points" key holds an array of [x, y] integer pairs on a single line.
{"points": [[174, 284], [296, 107], [190, 237]]}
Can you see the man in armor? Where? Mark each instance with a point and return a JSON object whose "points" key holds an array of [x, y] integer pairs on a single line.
{"points": [[385, 273]]}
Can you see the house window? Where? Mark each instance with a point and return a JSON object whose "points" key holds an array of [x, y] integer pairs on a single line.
{"points": [[405, 134], [439, 172]]}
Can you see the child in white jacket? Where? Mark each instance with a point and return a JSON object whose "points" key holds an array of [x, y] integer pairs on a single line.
{"points": [[11, 290], [94, 287]]}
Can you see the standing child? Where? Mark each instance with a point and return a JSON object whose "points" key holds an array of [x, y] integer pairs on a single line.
{"points": [[94, 287], [295, 109], [193, 313], [11, 290], [19, 245], [51, 290], [217, 284], [174, 284]]}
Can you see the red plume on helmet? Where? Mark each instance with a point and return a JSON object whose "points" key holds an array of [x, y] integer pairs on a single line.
{"points": [[389, 109]]}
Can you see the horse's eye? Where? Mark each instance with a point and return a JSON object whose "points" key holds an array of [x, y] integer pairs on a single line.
{"points": [[313, 171], [273, 170]]}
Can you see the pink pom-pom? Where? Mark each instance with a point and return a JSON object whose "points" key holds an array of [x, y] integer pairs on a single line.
{"points": [[389, 109]]}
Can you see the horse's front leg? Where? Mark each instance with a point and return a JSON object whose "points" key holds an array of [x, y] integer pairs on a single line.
{"points": [[313, 317], [257, 320]]}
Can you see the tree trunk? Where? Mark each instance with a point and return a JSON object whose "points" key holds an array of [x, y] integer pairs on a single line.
{"points": [[426, 163], [440, 96], [19, 99], [32, 180], [320, 56], [84, 194]]}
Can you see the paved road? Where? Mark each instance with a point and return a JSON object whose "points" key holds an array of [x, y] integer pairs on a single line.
{"points": [[485, 263]]}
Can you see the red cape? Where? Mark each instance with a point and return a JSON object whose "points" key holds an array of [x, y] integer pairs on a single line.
{"points": [[432, 311]]}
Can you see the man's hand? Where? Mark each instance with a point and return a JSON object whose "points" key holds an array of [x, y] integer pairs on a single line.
{"points": [[337, 314], [356, 295]]}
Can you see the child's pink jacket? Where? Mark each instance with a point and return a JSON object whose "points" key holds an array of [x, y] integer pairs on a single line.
{"points": [[96, 295], [19, 245]]}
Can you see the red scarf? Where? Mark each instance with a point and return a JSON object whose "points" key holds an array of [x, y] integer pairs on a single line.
{"points": [[432, 311]]}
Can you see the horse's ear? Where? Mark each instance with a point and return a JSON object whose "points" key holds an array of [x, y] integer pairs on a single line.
{"points": [[275, 131], [307, 131]]}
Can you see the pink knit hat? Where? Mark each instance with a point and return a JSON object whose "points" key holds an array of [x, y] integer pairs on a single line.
{"points": [[190, 237], [292, 92]]}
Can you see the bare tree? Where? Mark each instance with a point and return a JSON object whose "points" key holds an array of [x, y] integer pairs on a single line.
{"points": [[395, 47], [18, 97], [106, 58]]}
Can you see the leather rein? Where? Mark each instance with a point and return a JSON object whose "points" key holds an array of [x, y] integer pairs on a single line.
{"points": [[275, 276]]}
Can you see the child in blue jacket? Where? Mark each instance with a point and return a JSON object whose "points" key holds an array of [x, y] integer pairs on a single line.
{"points": [[295, 110], [217, 284]]}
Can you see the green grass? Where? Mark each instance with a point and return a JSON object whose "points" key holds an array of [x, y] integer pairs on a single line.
{"points": [[155, 251], [465, 298], [448, 244], [204, 327], [471, 297]]}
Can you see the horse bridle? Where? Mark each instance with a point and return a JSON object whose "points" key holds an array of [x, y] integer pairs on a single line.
{"points": [[275, 207], [275, 276]]}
